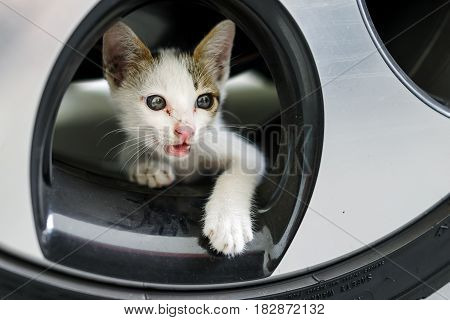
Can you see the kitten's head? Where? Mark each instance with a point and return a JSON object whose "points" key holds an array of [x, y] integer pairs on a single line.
{"points": [[170, 97]]}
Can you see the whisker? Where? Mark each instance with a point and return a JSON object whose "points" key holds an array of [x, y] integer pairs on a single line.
{"points": [[134, 154], [150, 146], [125, 142], [116, 131], [118, 145], [125, 148], [144, 152], [106, 120]]}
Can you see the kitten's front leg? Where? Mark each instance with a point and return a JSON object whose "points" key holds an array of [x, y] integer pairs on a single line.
{"points": [[228, 221], [152, 173]]}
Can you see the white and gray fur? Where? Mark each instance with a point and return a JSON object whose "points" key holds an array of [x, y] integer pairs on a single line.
{"points": [[133, 74]]}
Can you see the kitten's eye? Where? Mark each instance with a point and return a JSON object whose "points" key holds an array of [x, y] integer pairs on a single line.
{"points": [[156, 102], [205, 101]]}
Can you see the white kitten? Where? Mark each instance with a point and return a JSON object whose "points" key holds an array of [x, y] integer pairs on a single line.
{"points": [[169, 104]]}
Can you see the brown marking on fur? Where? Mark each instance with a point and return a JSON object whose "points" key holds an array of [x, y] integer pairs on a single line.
{"points": [[142, 53], [125, 69], [130, 55], [202, 78], [214, 60], [198, 52]]}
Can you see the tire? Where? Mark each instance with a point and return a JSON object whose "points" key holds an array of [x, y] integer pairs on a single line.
{"points": [[409, 263]]}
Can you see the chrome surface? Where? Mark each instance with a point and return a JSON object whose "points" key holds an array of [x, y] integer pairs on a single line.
{"points": [[385, 154], [32, 36]]}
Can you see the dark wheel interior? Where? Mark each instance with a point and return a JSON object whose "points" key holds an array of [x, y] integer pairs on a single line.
{"points": [[415, 36]]}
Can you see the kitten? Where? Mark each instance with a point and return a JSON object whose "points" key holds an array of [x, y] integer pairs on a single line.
{"points": [[171, 103]]}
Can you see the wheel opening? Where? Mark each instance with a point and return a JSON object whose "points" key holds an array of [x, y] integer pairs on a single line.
{"points": [[124, 228]]}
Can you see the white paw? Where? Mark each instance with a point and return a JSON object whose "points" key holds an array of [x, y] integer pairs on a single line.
{"points": [[228, 229], [152, 174]]}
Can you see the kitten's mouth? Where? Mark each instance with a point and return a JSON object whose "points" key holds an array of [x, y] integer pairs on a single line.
{"points": [[177, 150]]}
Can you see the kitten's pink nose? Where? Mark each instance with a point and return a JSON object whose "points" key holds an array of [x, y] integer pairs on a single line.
{"points": [[184, 131]]}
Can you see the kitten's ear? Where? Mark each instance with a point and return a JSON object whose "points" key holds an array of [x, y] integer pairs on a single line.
{"points": [[123, 53], [214, 51]]}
